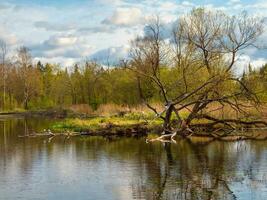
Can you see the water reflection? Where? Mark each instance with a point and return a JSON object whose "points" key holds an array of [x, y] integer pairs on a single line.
{"points": [[98, 168]]}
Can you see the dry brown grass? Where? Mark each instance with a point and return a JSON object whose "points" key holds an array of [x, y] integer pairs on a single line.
{"points": [[81, 109], [143, 108], [263, 110], [113, 109], [216, 110], [213, 110]]}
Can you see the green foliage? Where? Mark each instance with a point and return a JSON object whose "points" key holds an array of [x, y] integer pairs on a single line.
{"points": [[256, 81], [52, 86], [43, 86]]}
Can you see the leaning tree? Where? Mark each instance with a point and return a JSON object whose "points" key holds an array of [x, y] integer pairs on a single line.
{"points": [[192, 68]]}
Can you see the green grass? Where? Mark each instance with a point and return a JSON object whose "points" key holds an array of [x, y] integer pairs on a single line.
{"points": [[97, 123]]}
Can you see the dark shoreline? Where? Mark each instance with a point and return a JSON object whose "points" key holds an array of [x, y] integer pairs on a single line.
{"points": [[39, 113]]}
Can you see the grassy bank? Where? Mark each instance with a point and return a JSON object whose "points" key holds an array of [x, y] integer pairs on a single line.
{"points": [[112, 119], [138, 125], [106, 122], [109, 116]]}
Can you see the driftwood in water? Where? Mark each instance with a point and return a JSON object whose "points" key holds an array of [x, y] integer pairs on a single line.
{"points": [[185, 131], [217, 134], [164, 138], [129, 131], [49, 133]]}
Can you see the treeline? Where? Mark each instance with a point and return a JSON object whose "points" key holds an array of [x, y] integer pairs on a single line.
{"points": [[256, 80], [37, 86], [40, 86]]}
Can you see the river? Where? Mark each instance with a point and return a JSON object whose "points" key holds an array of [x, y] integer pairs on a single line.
{"points": [[92, 168]]}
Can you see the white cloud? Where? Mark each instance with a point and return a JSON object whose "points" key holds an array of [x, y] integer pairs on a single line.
{"points": [[66, 62], [187, 4], [4, 6], [60, 27], [62, 40], [8, 37], [243, 61], [111, 55], [169, 11], [104, 28], [125, 17], [256, 63], [168, 6], [234, 1], [68, 46], [261, 5], [110, 2]]}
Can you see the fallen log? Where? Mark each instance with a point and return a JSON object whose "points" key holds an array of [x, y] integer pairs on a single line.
{"points": [[121, 131]]}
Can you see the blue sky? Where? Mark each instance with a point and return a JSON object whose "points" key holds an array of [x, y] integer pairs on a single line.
{"points": [[69, 31]]}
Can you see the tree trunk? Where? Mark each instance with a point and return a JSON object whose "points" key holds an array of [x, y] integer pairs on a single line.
{"points": [[10, 100], [26, 105], [167, 121]]}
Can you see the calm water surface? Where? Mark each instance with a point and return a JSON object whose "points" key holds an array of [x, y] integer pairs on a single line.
{"points": [[92, 168]]}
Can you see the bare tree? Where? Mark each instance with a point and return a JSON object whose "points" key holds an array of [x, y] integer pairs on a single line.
{"points": [[203, 51], [215, 35], [3, 54], [28, 75]]}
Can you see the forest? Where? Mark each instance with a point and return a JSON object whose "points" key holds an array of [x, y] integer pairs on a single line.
{"points": [[195, 69], [25, 85]]}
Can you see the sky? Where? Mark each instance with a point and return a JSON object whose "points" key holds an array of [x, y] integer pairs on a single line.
{"points": [[71, 31]]}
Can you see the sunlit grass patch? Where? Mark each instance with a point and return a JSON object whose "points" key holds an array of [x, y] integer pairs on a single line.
{"points": [[96, 123]]}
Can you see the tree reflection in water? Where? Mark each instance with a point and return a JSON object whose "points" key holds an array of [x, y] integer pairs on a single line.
{"points": [[194, 171], [186, 170]]}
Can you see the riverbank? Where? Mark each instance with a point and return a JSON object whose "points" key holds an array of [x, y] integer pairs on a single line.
{"points": [[130, 123], [133, 125], [50, 113]]}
